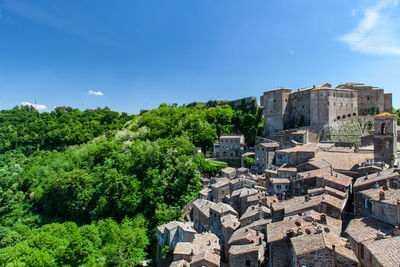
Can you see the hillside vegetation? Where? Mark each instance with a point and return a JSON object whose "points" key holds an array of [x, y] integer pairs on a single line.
{"points": [[90, 187]]}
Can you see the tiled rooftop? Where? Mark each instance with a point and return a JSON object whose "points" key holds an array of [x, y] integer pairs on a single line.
{"points": [[220, 183], [297, 204], [343, 161], [203, 206], [244, 249], [308, 220], [392, 196], [367, 228], [206, 256], [328, 175], [386, 251], [255, 210], [230, 221], [244, 233], [376, 177], [266, 145], [305, 244], [224, 208]]}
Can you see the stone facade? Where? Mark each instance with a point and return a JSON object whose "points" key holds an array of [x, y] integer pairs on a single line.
{"points": [[385, 138], [264, 155], [371, 100], [321, 105], [229, 146]]}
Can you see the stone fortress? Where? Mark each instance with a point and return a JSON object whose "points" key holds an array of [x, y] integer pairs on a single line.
{"points": [[321, 105], [305, 201]]}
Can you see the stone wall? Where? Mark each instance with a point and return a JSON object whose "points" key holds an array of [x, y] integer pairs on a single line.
{"points": [[387, 102], [276, 111]]}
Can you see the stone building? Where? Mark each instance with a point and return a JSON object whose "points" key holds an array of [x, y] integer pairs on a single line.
{"points": [[383, 252], [321, 105], [229, 146], [303, 224], [370, 100], [316, 107], [201, 214], [221, 190], [247, 255], [296, 155], [174, 232], [204, 250], [264, 155], [382, 203], [228, 172], [304, 136], [325, 203], [385, 138], [389, 178], [170, 235], [320, 250], [254, 213], [374, 242], [246, 248], [217, 212]]}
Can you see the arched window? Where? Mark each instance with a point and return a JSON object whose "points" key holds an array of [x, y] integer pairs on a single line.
{"points": [[338, 117], [383, 128], [344, 116]]}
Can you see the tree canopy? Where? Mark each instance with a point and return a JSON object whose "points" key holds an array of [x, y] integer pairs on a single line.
{"points": [[90, 188]]}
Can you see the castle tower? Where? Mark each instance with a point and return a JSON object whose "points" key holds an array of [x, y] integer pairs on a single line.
{"points": [[276, 114], [385, 137]]}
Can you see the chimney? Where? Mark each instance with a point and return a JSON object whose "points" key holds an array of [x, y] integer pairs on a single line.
{"points": [[381, 195], [387, 183], [380, 236], [299, 231], [307, 198], [376, 185], [334, 255], [323, 219], [289, 233], [396, 231]]}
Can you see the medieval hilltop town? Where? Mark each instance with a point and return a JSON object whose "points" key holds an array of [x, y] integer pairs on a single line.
{"points": [[312, 197]]}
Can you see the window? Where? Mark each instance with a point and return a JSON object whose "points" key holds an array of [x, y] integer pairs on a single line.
{"points": [[247, 262], [383, 128]]}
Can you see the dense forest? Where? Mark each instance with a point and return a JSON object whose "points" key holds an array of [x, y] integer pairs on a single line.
{"points": [[90, 187]]}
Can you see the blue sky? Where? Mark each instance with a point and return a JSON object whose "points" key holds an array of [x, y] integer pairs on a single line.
{"points": [[131, 55]]}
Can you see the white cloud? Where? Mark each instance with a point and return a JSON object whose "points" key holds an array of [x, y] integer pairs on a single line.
{"points": [[376, 33], [91, 92], [36, 106]]}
